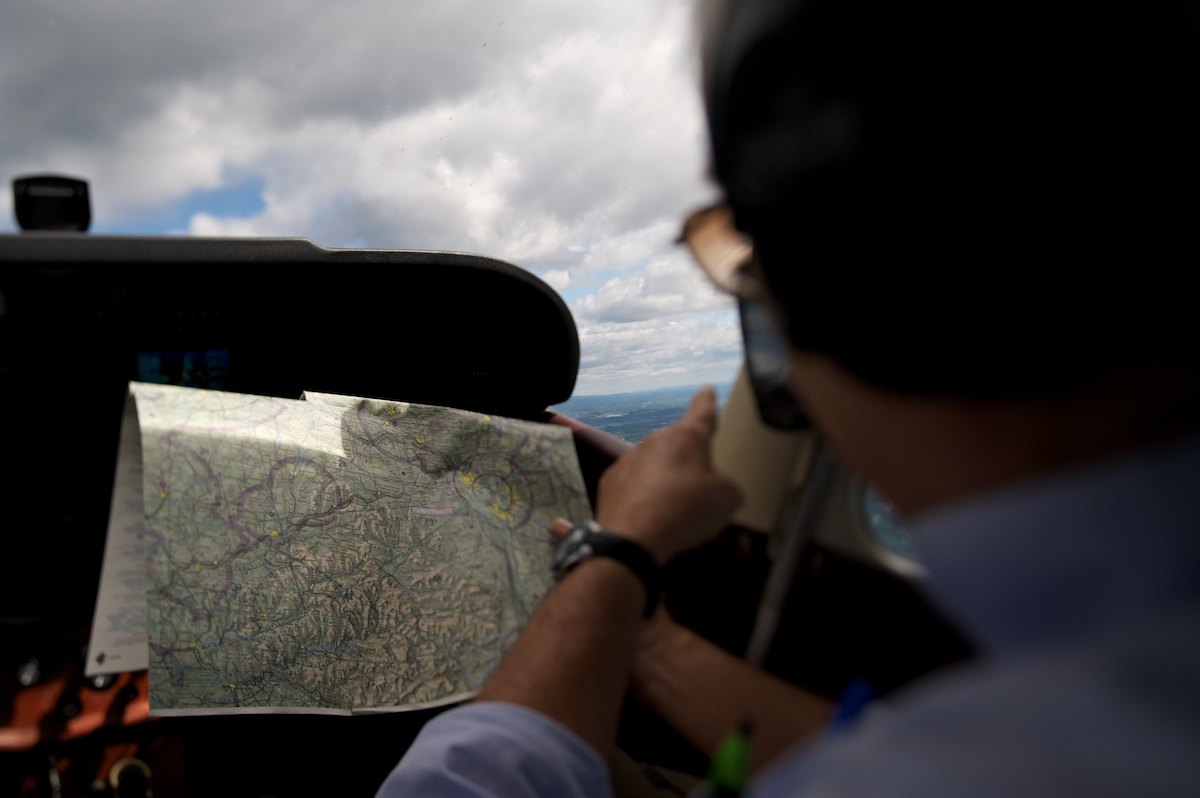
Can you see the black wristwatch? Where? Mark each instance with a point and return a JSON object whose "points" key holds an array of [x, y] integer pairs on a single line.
{"points": [[589, 539]]}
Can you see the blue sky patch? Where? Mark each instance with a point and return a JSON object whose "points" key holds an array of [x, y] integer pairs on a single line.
{"points": [[241, 199]]}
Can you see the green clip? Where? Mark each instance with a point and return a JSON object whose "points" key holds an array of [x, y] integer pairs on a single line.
{"points": [[730, 765]]}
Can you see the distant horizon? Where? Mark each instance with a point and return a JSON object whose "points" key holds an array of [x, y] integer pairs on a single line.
{"points": [[631, 415], [722, 387]]}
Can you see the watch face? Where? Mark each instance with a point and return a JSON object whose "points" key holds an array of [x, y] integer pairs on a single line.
{"points": [[577, 556], [573, 548]]}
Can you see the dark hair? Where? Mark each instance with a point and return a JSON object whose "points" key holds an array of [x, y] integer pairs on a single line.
{"points": [[936, 190]]}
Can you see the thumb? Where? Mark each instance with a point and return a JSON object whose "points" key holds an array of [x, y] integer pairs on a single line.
{"points": [[702, 413], [561, 527]]}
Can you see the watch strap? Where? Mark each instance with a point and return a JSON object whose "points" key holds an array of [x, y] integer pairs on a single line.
{"points": [[604, 543]]}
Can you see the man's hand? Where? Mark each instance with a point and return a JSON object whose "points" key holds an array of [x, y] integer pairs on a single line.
{"points": [[573, 660], [664, 493]]}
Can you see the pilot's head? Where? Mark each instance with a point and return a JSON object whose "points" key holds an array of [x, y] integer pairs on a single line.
{"points": [[961, 198]]}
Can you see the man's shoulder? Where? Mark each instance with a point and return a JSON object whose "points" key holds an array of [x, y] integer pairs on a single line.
{"points": [[1118, 718]]}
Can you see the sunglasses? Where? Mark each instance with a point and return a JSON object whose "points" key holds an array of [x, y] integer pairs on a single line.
{"points": [[726, 256], [724, 253]]}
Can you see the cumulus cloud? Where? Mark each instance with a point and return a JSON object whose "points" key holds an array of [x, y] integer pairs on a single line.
{"points": [[667, 287], [565, 138], [700, 348], [558, 279]]}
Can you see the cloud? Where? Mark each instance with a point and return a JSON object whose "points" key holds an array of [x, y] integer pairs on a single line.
{"points": [[535, 162], [634, 246], [663, 324], [618, 357], [558, 279], [579, 98], [668, 287]]}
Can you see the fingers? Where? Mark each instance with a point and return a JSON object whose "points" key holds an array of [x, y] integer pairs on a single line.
{"points": [[702, 413], [561, 527]]}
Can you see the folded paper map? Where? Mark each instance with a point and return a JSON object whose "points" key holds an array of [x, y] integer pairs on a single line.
{"points": [[330, 554]]}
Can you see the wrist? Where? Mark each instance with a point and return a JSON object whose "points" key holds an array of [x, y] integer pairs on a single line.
{"points": [[638, 532], [661, 644], [658, 634], [611, 582], [589, 541]]}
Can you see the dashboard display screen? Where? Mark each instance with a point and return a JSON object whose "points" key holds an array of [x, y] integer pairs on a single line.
{"points": [[205, 368]]}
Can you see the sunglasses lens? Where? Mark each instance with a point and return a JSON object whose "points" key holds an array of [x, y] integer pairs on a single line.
{"points": [[768, 366]]}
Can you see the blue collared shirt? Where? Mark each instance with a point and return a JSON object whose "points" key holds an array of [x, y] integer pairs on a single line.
{"points": [[1082, 590]]}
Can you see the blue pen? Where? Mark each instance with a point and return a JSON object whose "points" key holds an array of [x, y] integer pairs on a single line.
{"points": [[857, 694]]}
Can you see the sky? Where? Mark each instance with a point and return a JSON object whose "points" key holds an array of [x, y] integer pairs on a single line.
{"points": [[565, 138]]}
